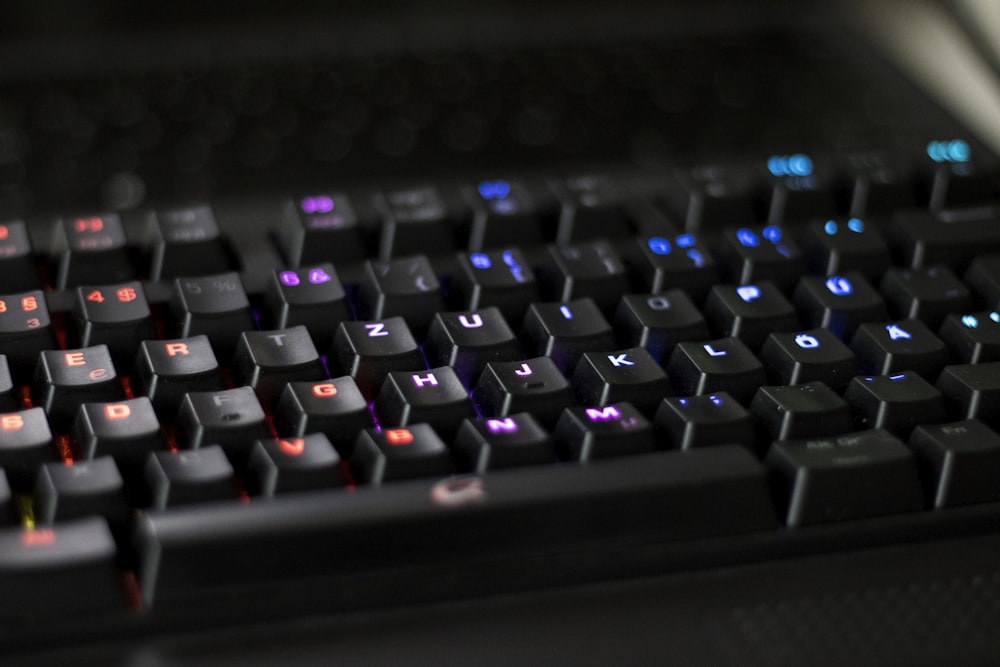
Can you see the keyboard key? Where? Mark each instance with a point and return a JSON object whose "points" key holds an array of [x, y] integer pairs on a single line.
{"points": [[534, 385], [590, 208], [502, 442], [185, 553], [215, 306], [185, 242], [972, 338], [436, 397], [630, 375], [895, 403], [26, 442], [838, 245], [17, 265], [657, 322], [406, 288], [907, 345], [960, 460], [586, 270], [927, 294], [115, 315], [715, 196], [801, 411], [882, 183], [231, 418], [91, 251], [508, 212], [414, 221], [399, 453], [807, 356], [726, 365], [293, 464], [502, 278], [25, 331], [972, 391], [749, 312], [320, 228], [368, 351], [86, 488], [801, 187], [189, 477], [755, 254], [127, 431], [335, 408], [268, 360], [587, 434], [960, 182], [676, 261], [953, 238], [983, 276], [66, 379], [467, 341], [564, 331], [166, 370], [853, 476], [705, 421], [838, 303], [312, 296], [9, 396]]}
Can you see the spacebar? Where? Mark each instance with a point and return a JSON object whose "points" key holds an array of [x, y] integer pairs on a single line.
{"points": [[529, 512]]}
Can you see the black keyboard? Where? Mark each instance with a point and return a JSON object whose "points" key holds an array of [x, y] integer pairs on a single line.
{"points": [[357, 334]]}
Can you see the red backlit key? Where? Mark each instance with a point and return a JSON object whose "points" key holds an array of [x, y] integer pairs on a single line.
{"points": [[117, 316], [293, 464], [25, 443], [399, 453], [231, 418], [83, 489], [166, 370], [334, 407], [25, 330], [17, 266], [189, 476], [126, 431], [91, 250], [268, 360], [65, 379]]}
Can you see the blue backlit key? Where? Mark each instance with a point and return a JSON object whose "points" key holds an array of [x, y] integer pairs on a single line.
{"points": [[631, 375], [501, 278], [800, 411], [705, 421], [972, 338], [657, 322], [593, 270], [972, 391], [838, 245], [884, 348], [564, 331], [838, 303], [927, 294], [726, 364], [507, 212], [753, 254], [895, 403], [807, 356], [749, 312], [677, 261], [802, 187]]}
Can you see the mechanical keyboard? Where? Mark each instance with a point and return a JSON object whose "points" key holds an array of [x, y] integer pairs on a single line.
{"points": [[351, 335]]}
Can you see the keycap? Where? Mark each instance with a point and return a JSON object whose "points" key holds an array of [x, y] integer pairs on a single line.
{"points": [[953, 238], [657, 322], [8, 513], [882, 183], [312, 296], [495, 443], [983, 276], [25, 330], [185, 241], [86, 488], [399, 453], [320, 228], [590, 208], [705, 421], [800, 411], [564, 331], [501, 278], [414, 220], [801, 186], [533, 385], [17, 265], [507, 212], [884, 348], [587, 434], [293, 464], [115, 315], [972, 391], [231, 418], [806, 356], [972, 338], [435, 397], [468, 340], [839, 245], [630, 375], [166, 370], [726, 364], [268, 360], [853, 476], [126, 431], [927, 294], [183, 554], [68, 568], [406, 287], [960, 462], [189, 477], [713, 196], [676, 262], [9, 396], [838, 303], [90, 250], [215, 306], [895, 403], [586, 270], [749, 312], [956, 177], [368, 351], [754, 254], [25, 443], [335, 408], [66, 379]]}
